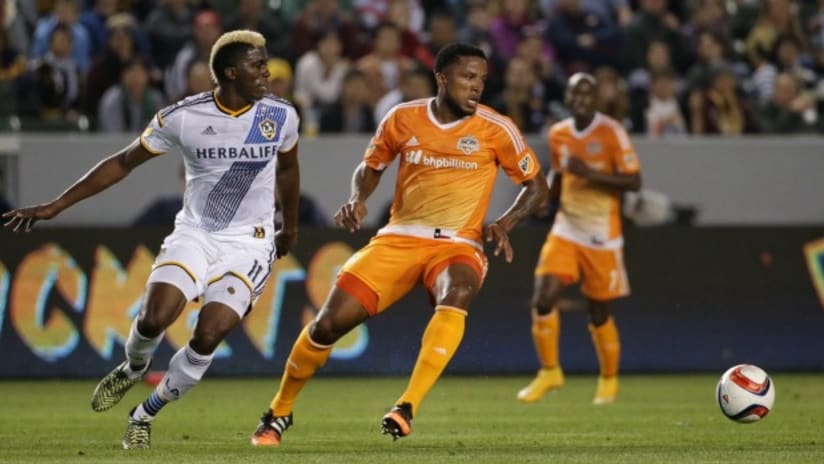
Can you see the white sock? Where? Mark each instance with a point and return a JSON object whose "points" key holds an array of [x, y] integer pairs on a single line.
{"points": [[186, 368], [139, 349]]}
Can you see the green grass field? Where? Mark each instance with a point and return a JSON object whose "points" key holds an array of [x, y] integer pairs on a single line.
{"points": [[667, 419]]}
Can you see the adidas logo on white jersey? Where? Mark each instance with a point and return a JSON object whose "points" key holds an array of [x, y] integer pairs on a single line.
{"points": [[208, 131], [413, 142]]}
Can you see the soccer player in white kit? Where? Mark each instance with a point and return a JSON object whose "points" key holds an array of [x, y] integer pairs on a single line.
{"points": [[239, 147]]}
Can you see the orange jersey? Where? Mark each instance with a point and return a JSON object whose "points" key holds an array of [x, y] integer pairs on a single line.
{"points": [[447, 171], [590, 215]]}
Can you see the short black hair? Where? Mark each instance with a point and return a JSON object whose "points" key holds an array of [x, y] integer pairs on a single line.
{"points": [[228, 56], [453, 52]]}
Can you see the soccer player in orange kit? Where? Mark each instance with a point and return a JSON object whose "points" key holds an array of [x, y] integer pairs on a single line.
{"points": [[449, 148], [593, 162]]}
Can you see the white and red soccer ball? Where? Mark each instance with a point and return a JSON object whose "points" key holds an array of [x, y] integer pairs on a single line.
{"points": [[745, 393]]}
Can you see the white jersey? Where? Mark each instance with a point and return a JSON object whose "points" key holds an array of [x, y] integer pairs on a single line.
{"points": [[229, 156]]}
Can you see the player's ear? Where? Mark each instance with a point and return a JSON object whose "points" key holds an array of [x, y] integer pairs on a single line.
{"points": [[230, 72], [440, 79]]}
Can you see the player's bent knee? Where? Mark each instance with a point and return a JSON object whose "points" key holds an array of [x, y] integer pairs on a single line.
{"points": [[326, 331], [459, 295]]}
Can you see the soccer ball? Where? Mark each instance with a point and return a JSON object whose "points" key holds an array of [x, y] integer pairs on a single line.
{"points": [[745, 393]]}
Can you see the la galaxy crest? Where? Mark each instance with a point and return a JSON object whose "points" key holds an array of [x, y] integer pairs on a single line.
{"points": [[468, 144], [268, 128]]}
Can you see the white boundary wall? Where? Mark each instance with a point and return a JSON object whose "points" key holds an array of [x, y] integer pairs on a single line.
{"points": [[731, 181]]}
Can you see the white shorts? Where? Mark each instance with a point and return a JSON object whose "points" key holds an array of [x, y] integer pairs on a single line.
{"points": [[214, 265]]}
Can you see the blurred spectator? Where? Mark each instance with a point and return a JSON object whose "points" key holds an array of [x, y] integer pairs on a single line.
{"points": [[323, 15], [290, 10], [65, 12], [252, 15], [522, 97], [707, 16], [652, 22], [508, 26], [777, 17], [816, 28], [788, 111], [319, 78], [583, 38], [400, 14], [352, 112], [618, 11], [199, 79], [121, 49], [206, 30], [12, 67], [280, 78], [169, 25], [788, 56], [476, 30], [542, 61], [17, 23], [309, 212], [663, 115], [442, 31], [383, 67], [711, 52], [57, 78], [414, 85], [130, 105], [720, 109], [612, 95], [94, 20], [374, 12]]}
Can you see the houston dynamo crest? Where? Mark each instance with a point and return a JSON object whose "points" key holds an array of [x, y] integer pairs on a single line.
{"points": [[468, 144]]}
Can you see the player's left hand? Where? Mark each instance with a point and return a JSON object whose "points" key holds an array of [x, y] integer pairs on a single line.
{"points": [[497, 233], [579, 167], [284, 241], [23, 219]]}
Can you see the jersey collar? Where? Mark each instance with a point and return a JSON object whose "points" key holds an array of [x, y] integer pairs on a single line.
{"points": [[232, 113]]}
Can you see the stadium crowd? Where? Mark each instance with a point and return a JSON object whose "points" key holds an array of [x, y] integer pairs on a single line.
{"points": [[664, 68]]}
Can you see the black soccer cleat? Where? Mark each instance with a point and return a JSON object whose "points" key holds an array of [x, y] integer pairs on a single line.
{"points": [[398, 421]]}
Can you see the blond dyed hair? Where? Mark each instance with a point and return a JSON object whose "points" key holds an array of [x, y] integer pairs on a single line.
{"points": [[252, 38]]}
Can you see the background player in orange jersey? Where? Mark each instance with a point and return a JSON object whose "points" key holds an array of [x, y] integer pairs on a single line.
{"points": [[449, 148], [593, 162]]}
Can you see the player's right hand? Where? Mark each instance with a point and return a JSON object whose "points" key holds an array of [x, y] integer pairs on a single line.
{"points": [[349, 215], [23, 219]]}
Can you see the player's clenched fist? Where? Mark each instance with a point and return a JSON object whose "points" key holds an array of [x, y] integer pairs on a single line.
{"points": [[349, 215]]}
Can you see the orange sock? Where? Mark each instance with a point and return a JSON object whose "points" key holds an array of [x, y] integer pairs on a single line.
{"points": [[306, 358], [545, 334], [440, 341], [608, 346]]}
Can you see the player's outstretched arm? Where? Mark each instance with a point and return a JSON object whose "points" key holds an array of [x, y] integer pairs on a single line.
{"points": [[288, 191], [105, 174], [534, 193], [364, 182]]}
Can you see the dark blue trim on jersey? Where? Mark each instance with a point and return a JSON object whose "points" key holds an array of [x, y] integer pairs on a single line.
{"points": [[277, 99], [204, 97], [275, 115], [224, 200]]}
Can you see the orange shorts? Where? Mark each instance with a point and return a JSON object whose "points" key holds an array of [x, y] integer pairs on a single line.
{"points": [[605, 277], [389, 267]]}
